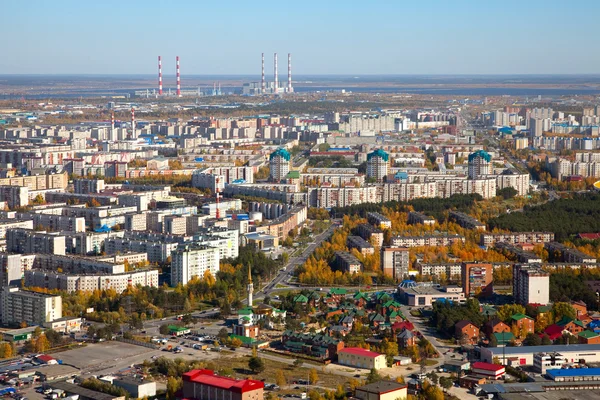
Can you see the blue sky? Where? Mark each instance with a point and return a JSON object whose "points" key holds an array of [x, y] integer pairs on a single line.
{"points": [[324, 37]]}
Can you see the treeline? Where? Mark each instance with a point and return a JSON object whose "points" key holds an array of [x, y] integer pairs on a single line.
{"points": [[436, 207], [139, 303], [446, 314], [564, 217], [568, 284]]}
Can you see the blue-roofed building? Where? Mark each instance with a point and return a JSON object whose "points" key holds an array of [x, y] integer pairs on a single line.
{"points": [[480, 163], [378, 165], [573, 374], [279, 164]]}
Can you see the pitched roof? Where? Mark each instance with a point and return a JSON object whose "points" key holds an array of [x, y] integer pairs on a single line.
{"points": [[486, 366], [588, 334], [338, 291], [207, 377], [520, 316], [504, 337], [357, 351], [463, 323]]}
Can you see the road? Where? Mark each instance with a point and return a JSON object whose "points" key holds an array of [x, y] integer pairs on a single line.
{"points": [[286, 272]]}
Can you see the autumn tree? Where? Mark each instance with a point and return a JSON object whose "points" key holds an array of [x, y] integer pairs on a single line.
{"points": [[313, 376], [280, 378], [42, 344]]}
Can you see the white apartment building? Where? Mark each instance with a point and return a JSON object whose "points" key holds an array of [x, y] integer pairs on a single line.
{"points": [[378, 165], [30, 307], [9, 223], [279, 164], [189, 261], [427, 240], [21, 240], [90, 282], [531, 285], [14, 196], [395, 262], [480, 163], [489, 239]]}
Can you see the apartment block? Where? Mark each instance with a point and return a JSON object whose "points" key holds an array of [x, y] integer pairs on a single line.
{"points": [[466, 221], [346, 262], [426, 240], [21, 240], [415, 218], [531, 284], [189, 261], [33, 308], [395, 262], [489, 239], [370, 234], [90, 282], [10, 223], [477, 279], [568, 254], [14, 196], [379, 221], [360, 244]]}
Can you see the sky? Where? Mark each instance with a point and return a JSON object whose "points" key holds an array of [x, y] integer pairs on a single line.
{"points": [[324, 37]]}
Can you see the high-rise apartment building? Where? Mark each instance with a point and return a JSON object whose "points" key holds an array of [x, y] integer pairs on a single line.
{"points": [[531, 285], [378, 165], [480, 163], [477, 279], [33, 308], [279, 164], [395, 262], [189, 261]]}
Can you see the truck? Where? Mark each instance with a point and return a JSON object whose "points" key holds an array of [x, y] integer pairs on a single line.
{"points": [[198, 346]]}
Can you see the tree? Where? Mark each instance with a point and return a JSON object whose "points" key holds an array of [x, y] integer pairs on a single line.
{"points": [[256, 364], [6, 350], [433, 377], [562, 309], [223, 334], [37, 332], [298, 363], [235, 343], [41, 344], [546, 340], [173, 385], [446, 383], [164, 329], [280, 378], [508, 310], [532, 340], [507, 193], [313, 376], [373, 376]]}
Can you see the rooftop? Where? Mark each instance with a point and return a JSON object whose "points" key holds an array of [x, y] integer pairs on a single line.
{"points": [[382, 387], [357, 351], [208, 377]]}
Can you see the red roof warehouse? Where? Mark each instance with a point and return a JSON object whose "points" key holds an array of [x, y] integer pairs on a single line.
{"points": [[490, 371], [204, 384]]}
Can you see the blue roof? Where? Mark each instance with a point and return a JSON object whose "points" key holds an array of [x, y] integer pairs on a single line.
{"points": [[556, 373], [281, 152], [379, 153], [103, 228], [199, 159], [481, 154]]}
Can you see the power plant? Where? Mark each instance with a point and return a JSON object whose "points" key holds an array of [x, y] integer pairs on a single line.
{"points": [[263, 87], [275, 87]]}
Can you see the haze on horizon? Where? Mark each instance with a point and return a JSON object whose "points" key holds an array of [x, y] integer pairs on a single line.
{"points": [[335, 37]]}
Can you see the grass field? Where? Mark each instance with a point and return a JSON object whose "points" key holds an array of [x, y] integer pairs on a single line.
{"points": [[240, 368]]}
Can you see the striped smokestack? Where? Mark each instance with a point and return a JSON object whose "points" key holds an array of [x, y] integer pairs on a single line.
{"points": [[159, 76], [289, 86], [276, 84], [263, 83], [178, 79]]}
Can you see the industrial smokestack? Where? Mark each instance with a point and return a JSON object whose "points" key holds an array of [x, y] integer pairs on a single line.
{"points": [[263, 84], [112, 122], [289, 87], [276, 78], [159, 76], [132, 123], [178, 79]]}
